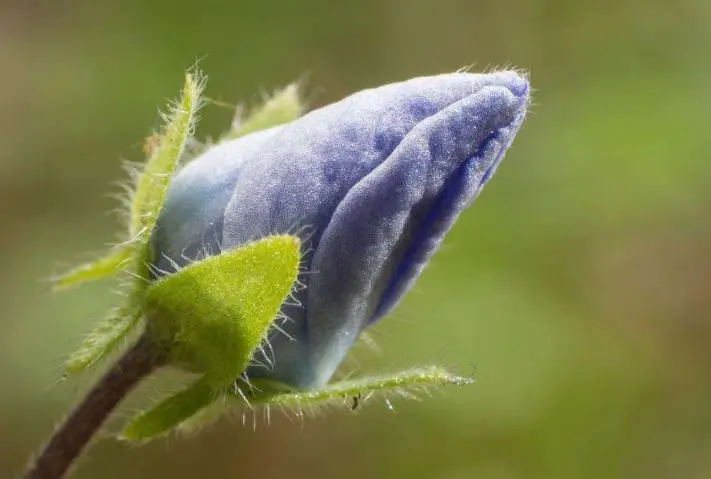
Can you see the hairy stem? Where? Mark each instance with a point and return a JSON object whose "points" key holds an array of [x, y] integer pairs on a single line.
{"points": [[83, 423]]}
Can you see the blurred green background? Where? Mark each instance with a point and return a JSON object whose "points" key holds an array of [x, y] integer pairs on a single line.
{"points": [[577, 287]]}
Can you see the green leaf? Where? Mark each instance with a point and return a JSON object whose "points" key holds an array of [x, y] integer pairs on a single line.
{"points": [[106, 337], [212, 314], [404, 384], [283, 107], [169, 413], [113, 262], [152, 183]]}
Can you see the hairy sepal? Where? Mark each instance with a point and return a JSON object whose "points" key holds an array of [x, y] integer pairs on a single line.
{"points": [[284, 106], [211, 315]]}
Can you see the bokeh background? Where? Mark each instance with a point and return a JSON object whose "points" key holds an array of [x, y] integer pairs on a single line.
{"points": [[577, 289]]}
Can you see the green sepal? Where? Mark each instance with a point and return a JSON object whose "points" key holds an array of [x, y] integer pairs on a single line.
{"points": [[169, 413], [151, 185], [111, 263], [105, 338], [350, 393], [212, 314], [404, 383], [153, 180], [208, 415], [282, 107]]}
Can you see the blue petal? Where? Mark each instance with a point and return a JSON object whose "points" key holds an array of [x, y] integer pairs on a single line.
{"points": [[458, 193], [366, 172], [393, 220], [191, 220], [310, 164]]}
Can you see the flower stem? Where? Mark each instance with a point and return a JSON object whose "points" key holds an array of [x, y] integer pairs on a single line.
{"points": [[74, 434]]}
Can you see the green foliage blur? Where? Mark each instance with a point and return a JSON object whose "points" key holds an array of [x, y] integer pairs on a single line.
{"points": [[577, 288]]}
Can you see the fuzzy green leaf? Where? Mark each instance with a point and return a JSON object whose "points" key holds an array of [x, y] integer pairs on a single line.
{"points": [[282, 107], [404, 384], [212, 314], [106, 337], [169, 413], [113, 262], [152, 183]]}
